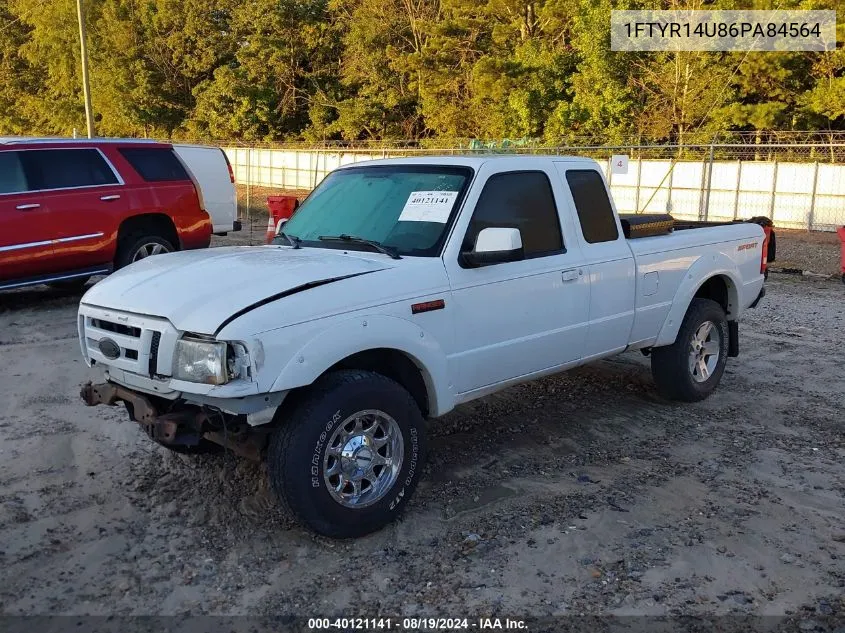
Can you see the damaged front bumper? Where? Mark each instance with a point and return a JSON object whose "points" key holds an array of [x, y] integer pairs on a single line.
{"points": [[181, 424]]}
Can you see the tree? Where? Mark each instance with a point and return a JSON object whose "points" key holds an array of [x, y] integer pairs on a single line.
{"points": [[601, 99], [20, 83]]}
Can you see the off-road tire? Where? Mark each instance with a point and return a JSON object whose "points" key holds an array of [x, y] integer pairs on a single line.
{"points": [[69, 285], [670, 365], [130, 244], [297, 448]]}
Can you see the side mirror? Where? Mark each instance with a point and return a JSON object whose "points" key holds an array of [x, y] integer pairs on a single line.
{"points": [[280, 224], [495, 246]]}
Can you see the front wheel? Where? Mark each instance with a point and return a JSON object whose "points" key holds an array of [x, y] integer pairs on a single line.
{"points": [[350, 455], [691, 368]]}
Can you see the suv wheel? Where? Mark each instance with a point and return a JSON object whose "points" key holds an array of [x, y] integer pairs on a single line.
{"points": [[138, 246]]}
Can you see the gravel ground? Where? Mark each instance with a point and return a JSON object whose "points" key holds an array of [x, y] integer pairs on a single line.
{"points": [[816, 252], [580, 493]]}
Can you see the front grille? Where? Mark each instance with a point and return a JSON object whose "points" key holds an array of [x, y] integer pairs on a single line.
{"points": [[154, 343], [117, 328], [138, 338]]}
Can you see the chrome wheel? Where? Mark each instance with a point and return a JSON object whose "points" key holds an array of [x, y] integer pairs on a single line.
{"points": [[146, 250], [705, 347], [363, 458]]}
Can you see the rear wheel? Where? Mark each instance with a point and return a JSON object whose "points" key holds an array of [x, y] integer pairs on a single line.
{"points": [[691, 368], [350, 455], [137, 246]]}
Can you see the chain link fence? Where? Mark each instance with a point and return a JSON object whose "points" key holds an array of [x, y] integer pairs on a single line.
{"points": [[796, 179]]}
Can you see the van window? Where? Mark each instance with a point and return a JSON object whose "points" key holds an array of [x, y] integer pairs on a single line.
{"points": [[592, 203], [523, 200], [65, 168], [155, 164], [12, 179]]}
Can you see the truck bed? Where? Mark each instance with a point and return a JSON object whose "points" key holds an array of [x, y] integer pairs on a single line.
{"points": [[639, 225]]}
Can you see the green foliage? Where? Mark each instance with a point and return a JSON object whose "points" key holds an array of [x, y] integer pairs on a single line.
{"points": [[261, 70]]}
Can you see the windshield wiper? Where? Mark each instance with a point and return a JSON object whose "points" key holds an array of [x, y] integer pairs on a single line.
{"points": [[293, 240], [381, 248]]}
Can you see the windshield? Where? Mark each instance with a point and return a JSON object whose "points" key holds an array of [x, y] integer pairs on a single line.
{"points": [[405, 207]]}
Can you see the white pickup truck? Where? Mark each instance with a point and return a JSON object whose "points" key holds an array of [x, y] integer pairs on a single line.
{"points": [[398, 290]]}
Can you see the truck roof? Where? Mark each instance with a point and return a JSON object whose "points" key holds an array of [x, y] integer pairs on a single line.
{"points": [[469, 160]]}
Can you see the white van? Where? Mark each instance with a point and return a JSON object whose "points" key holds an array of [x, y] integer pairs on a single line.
{"points": [[210, 167]]}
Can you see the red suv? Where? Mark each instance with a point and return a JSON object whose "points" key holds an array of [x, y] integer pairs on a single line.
{"points": [[70, 209]]}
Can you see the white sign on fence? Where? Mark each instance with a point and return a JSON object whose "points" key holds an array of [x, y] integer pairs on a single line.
{"points": [[619, 164]]}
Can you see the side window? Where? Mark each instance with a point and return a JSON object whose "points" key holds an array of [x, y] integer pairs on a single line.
{"points": [[521, 200], [592, 203], [155, 164], [12, 179], [65, 168]]}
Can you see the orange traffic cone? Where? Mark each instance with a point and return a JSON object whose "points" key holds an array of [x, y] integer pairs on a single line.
{"points": [[271, 229]]}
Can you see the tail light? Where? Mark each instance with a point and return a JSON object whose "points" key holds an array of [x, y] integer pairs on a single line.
{"points": [[229, 167], [764, 257]]}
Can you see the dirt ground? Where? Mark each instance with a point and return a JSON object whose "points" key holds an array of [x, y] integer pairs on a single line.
{"points": [[817, 252], [581, 493]]}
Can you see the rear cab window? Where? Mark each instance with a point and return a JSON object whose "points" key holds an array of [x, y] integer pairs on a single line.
{"points": [[48, 169], [592, 204], [155, 164]]}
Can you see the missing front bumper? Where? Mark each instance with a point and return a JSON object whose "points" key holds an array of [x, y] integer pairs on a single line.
{"points": [[186, 426]]}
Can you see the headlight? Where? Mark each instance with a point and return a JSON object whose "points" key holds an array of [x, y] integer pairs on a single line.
{"points": [[200, 361]]}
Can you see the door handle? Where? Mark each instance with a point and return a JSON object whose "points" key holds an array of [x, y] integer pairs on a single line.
{"points": [[27, 207], [570, 275], [109, 198]]}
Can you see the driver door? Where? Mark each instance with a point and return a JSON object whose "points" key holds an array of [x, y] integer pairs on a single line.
{"points": [[514, 319]]}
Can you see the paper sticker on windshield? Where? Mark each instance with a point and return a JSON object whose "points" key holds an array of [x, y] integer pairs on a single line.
{"points": [[428, 206]]}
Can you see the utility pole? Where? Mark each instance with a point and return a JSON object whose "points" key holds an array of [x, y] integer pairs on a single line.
{"points": [[86, 90]]}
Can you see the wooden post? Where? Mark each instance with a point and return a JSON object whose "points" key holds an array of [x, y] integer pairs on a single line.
{"points": [[709, 184], [774, 192], [672, 164], [639, 178], [738, 185], [86, 90], [248, 188], [813, 197]]}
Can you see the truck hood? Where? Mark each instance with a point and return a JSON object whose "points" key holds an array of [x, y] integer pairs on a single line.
{"points": [[197, 291]]}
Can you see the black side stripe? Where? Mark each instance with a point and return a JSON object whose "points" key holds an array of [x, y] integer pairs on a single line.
{"points": [[282, 295]]}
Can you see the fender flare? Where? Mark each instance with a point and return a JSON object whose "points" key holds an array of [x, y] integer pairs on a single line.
{"points": [[364, 333], [704, 269]]}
